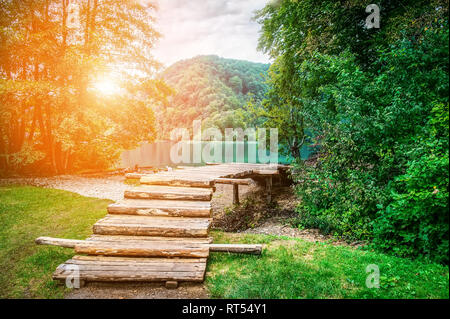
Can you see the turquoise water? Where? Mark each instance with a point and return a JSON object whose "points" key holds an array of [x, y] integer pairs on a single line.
{"points": [[158, 155], [251, 148]]}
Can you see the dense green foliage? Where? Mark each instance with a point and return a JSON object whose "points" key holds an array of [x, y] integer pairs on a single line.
{"points": [[376, 101], [386, 151], [211, 89], [52, 117]]}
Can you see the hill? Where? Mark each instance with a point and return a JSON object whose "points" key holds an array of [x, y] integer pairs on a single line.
{"points": [[212, 89]]}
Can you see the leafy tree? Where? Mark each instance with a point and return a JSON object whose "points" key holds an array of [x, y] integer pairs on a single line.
{"points": [[236, 84], [294, 31], [375, 101], [51, 116]]}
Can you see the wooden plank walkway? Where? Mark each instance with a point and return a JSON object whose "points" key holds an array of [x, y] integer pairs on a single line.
{"points": [[160, 231]]}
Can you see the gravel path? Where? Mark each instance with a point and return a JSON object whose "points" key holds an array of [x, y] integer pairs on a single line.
{"points": [[112, 187]]}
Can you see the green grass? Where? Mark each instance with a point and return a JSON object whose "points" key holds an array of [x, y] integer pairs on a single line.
{"points": [[295, 269], [287, 269], [27, 213]]}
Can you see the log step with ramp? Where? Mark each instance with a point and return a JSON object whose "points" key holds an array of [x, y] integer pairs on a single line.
{"points": [[152, 226], [136, 242], [164, 208], [113, 269], [170, 193]]}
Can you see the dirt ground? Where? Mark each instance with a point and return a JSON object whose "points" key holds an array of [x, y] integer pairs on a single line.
{"points": [[138, 291]]}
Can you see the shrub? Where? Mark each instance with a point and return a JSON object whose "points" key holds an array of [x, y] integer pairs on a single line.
{"points": [[382, 173], [416, 221]]}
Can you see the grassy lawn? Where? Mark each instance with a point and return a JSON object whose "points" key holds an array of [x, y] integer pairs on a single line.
{"points": [[295, 269], [288, 268], [27, 213]]}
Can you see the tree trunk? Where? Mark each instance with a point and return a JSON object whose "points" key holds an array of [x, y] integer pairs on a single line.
{"points": [[21, 132], [33, 127], [66, 160], [88, 21], [64, 25]]}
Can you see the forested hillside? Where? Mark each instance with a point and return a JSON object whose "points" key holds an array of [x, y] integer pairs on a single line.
{"points": [[212, 89]]}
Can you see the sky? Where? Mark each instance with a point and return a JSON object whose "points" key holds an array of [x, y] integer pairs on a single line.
{"points": [[205, 27]]}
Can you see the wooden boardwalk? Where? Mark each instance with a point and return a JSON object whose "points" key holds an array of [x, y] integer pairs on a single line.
{"points": [[160, 231]]}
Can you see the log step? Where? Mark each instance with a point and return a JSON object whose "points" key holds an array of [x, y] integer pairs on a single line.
{"points": [[143, 249], [177, 180], [152, 226], [133, 176], [112, 269], [121, 239], [170, 193], [161, 208]]}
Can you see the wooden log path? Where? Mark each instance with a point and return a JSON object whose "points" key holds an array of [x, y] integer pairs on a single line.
{"points": [[159, 232]]}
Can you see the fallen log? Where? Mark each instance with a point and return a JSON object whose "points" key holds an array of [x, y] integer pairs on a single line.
{"points": [[236, 249], [219, 248], [65, 243]]}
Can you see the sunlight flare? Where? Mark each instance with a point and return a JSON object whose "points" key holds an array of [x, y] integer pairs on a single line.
{"points": [[107, 87]]}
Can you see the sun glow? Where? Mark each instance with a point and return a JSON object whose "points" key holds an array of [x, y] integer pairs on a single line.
{"points": [[107, 87]]}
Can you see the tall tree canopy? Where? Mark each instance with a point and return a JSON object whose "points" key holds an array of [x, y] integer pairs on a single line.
{"points": [[293, 31], [52, 117]]}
